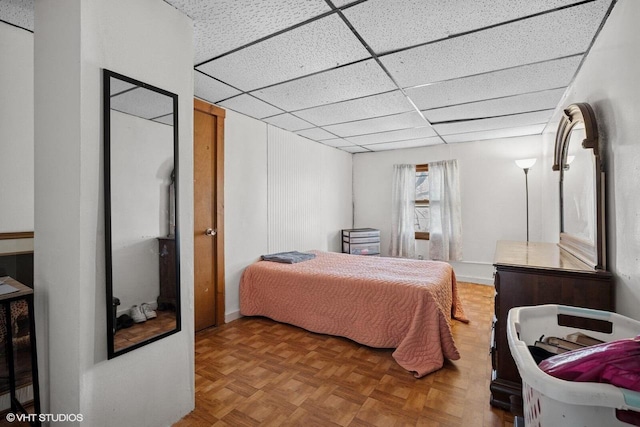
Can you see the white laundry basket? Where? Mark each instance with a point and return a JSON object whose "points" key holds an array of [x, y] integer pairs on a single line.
{"points": [[552, 402]]}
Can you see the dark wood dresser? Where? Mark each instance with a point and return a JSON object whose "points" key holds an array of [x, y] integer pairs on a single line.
{"points": [[167, 252], [531, 273]]}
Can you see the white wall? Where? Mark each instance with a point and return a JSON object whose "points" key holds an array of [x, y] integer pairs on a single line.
{"points": [[16, 129], [282, 193], [150, 41], [309, 190], [245, 201], [608, 80], [492, 194]]}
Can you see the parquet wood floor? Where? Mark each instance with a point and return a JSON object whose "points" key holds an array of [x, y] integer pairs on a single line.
{"points": [[257, 372], [138, 332]]}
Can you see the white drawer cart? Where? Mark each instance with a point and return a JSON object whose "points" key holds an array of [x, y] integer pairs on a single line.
{"points": [[361, 241]]}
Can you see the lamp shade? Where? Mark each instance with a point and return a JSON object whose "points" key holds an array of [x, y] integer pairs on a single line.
{"points": [[525, 163]]}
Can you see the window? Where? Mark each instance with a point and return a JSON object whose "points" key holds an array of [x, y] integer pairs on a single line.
{"points": [[421, 225]]}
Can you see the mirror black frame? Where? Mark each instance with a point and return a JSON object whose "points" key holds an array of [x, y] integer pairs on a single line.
{"points": [[591, 253], [106, 86]]}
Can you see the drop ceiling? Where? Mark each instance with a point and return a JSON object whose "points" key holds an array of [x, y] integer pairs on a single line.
{"points": [[373, 75]]}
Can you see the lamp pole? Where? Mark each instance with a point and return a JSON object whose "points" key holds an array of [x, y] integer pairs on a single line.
{"points": [[525, 165], [526, 185]]}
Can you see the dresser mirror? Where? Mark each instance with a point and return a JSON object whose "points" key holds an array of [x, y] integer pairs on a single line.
{"points": [[582, 211], [141, 235]]}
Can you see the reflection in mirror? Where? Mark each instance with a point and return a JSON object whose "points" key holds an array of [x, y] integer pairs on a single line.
{"points": [[582, 201], [140, 140], [578, 187]]}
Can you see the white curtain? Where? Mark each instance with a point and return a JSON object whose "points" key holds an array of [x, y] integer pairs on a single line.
{"points": [[403, 241], [445, 228]]}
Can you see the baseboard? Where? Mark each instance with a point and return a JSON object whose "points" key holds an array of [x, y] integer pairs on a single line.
{"points": [[474, 272], [474, 279], [230, 317]]}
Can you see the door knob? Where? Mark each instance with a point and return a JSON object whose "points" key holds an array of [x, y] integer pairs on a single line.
{"points": [[210, 232]]}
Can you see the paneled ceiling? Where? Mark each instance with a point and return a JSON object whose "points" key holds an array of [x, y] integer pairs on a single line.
{"points": [[373, 75]]}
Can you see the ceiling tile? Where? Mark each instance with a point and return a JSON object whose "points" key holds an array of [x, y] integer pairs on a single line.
{"points": [[529, 78], [247, 104], [319, 45], [495, 134], [17, 12], [340, 3], [385, 26], [354, 149], [357, 109], [116, 85], [167, 120], [515, 120], [317, 134], [522, 42], [224, 25], [288, 121], [411, 143], [497, 107], [379, 124], [340, 84], [337, 142], [394, 135], [143, 103], [211, 89]]}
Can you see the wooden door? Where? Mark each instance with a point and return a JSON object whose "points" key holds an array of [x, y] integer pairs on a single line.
{"points": [[208, 240]]}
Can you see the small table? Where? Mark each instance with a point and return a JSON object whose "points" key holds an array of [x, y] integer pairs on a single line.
{"points": [[23, 293]]}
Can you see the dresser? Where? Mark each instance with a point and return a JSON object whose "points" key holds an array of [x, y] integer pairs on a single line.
{"points": [[532, 273], [167, 252], [361, 241]]}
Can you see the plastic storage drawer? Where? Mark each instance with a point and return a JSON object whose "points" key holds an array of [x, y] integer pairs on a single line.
{"points": [[361, 241], [361, 232], [361, 249]]}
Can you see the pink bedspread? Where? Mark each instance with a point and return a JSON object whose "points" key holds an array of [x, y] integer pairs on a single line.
{"points": [[380, 302]]}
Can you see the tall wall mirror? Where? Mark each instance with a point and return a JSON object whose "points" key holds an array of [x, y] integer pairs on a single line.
{"points": [[582, 200], [141, 233]]}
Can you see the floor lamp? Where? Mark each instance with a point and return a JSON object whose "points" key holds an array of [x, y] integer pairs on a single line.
{"points": [[526, 164]]}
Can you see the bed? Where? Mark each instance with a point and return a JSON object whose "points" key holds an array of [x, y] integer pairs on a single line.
{"points": [[380, 302]]}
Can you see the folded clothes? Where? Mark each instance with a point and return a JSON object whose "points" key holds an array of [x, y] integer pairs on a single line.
{"points": [[288, 257]]}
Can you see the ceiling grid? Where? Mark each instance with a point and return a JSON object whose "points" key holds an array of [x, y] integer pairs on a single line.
{"points": [[374, 75]]}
